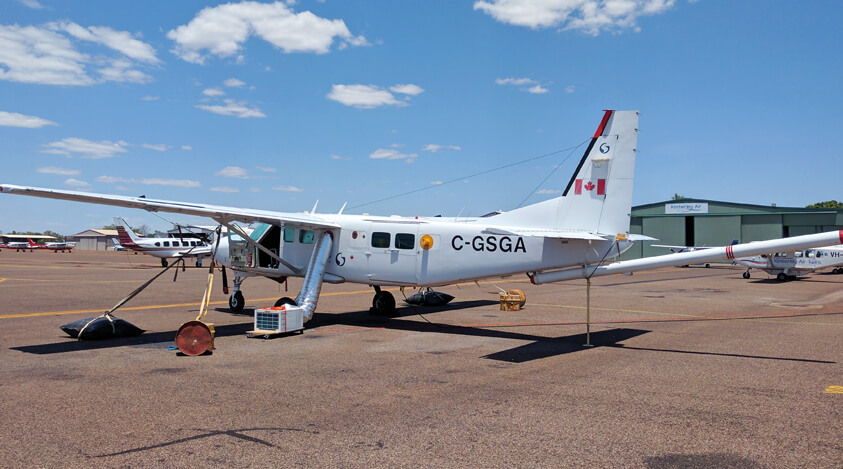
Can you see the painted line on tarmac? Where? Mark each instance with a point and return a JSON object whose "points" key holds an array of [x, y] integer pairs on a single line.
{"points": [[174, 305], [833, 390], [2, 280]]}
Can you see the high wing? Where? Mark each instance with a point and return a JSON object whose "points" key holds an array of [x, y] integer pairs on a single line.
{"points": [[221, 214]]}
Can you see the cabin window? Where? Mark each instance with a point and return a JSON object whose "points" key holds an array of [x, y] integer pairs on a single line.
{"points": [[289, 235], [166, 244], [380, 240], [405, 241], [306, 237], [158, 244], [193, 243]]}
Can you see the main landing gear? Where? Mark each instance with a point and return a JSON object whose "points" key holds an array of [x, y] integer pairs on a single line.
{"points": [[746, 274], [164, 262], [383, 304]]}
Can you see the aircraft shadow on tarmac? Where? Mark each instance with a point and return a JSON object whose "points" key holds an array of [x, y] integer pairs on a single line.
{"points": [[538, 347]]}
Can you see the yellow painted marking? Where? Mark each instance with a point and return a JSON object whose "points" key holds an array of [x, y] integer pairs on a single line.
{"points": [[833, 390], [2, 280], [174, 305]]}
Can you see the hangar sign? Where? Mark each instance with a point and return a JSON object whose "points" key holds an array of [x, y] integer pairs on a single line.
{"points": [[685, 207]]}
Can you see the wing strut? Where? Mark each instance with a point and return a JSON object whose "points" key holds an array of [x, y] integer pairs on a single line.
{"points": [[236, 229]]}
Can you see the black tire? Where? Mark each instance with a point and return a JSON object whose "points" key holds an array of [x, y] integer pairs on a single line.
{"points": [[383, 304], [236, 302], [198, 262], [285, 301], [707, 266], [164, 263], [781, 277], [746, 275]]}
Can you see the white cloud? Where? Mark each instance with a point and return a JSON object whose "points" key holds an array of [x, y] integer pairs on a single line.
{"points": [[548, 191], [233, 83], [76, 183], [13, 119], [58, 171], [436, 183], [409, 89], [213, 92], [265, 169], [287, 189], [390, 154], [120, 41], [225, 189], [363, 96], [537, 88], [515, 81], [589, 16], [569, 89], [433, 148], [85, 148], [186, 147], [159, 147], [48, 55], [233, 172], [233, 108], [151, 98], [31, 4], [222, 30], [186, 183]]}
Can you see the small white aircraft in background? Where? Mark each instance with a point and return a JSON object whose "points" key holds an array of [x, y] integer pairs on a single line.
{"points": [[19, 246], [787, 265], [567, 237], [164, 248], [677, 249], [54, 246]]}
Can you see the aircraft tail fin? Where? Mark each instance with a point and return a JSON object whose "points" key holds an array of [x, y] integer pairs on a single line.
{"points": [[598, 198], [125, 234]]}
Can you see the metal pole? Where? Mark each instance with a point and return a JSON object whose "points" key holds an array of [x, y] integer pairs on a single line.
{"points": [[588, 312]]}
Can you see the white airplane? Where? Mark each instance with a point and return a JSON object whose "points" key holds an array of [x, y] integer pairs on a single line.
{"points": [[787, 265], [115, 244], [563, 238], [19, 246], [165, 248], [54, 246]]}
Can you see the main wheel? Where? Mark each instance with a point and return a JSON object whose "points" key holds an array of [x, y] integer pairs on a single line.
{"points": [[236, 302], [383, 304], [781, 277], [285, 301], [164, 262], [746, 274], [198, 262]]}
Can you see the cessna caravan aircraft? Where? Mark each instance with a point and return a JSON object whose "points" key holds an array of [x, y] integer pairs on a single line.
{"points": [[164, 248], [567, 237], [787, 265], [54, 246]]}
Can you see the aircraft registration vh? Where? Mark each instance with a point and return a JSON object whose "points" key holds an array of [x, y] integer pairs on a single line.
{"points": [[567, 237]]}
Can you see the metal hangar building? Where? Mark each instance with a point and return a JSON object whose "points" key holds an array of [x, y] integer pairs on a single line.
{"points": [[700, 222]]}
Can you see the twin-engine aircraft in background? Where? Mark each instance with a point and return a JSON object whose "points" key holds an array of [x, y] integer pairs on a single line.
{"points": [[163, 248], [567, 237], [788, 265]]}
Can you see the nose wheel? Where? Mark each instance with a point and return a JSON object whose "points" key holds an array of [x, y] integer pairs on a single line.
{"points": [[746, 274], [236, 302]]}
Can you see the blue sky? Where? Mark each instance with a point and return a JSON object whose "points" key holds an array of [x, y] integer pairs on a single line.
{"points": [[276, 105]]}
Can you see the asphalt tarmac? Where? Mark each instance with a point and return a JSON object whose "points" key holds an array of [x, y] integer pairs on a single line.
{"points": [[691, 367]]}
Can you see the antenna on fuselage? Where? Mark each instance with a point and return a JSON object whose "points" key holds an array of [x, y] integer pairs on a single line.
{"points": [[313, 210], [343, 208]]}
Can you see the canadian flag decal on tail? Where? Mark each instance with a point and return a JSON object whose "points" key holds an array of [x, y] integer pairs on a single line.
{"points": [[588, 185]]}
